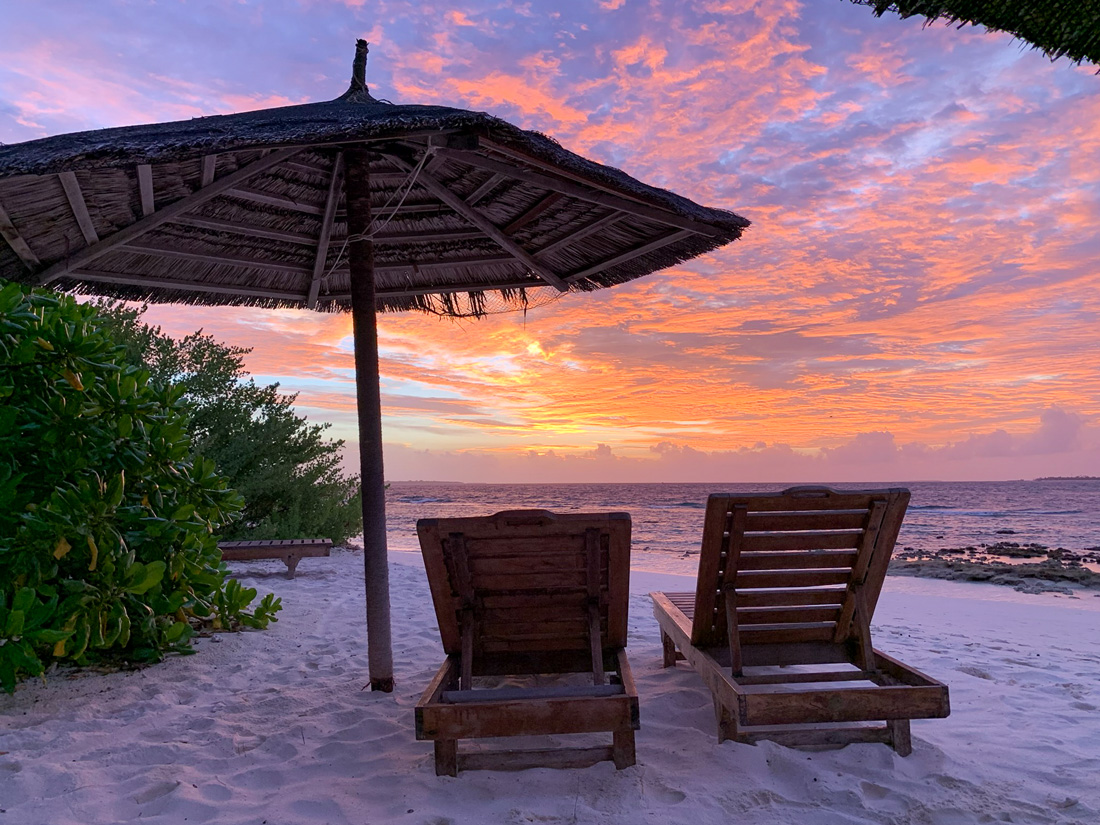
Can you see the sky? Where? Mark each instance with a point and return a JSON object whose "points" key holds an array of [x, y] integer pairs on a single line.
{"points": [[917, 299]]}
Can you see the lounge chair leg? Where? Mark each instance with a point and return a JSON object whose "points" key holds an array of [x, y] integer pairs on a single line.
{"points": [[669, 648], [900, 739], [446, 757], [291, 566], [622, 750], [727, 724]]}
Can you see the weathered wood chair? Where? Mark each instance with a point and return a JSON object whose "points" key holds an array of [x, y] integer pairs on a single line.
{"points": [[291, 551], [521, 593], [787, 586]]}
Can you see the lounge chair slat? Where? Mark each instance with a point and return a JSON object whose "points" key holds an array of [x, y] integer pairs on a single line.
{"points": [[804, 678], [791, 596], [513, 616], [533, 601], [821, 540], [563, 579], [778, 597], [796, 561], [824, 520], [492, 626], [484, 565], [787, 632], [795, 606], [534, 643], [790, 578], [776, 615]]}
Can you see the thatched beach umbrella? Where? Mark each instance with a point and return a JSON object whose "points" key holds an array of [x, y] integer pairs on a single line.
{"points": [[354, 204]]}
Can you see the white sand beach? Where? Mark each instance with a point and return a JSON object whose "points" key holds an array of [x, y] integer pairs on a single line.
{"points": [[274, 726]]}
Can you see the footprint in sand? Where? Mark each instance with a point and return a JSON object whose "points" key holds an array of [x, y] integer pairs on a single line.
{"points": [[970, 670], [873, 791], [664, 794], [155, 792]]}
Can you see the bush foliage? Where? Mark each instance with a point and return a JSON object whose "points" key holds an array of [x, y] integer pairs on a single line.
{"points": [[106, 515], [286, 470]]}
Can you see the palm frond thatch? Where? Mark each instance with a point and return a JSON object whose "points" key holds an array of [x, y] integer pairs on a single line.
{"points": [[1060, 28]]}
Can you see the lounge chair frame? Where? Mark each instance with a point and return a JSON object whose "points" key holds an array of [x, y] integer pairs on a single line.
{"points": [[788, 582], [523, 593]]}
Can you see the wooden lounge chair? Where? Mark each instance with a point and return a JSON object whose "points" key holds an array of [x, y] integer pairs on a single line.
{"points": [[787, 586], [521, 593]]}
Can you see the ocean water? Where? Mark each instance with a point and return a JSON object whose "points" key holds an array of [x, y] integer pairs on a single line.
{"points": [[668, 518]]}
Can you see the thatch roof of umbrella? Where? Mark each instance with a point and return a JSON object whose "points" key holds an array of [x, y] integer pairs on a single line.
{"points": [[248, 209], [352, 204]]}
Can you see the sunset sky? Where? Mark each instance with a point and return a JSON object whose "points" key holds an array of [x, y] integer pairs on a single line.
{"points": [[918, 296]]}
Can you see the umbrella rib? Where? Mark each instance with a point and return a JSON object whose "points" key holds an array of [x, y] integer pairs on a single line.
{"points": [[534, 212], [214, 258], [80, 209], [383, 238], [145, 189], [279, 201], [209, 164], [246, 291], [139, 228], [485, 225], [335, 187], [580, 189], [568, 240], [485, 188], [629, 254], [16, 242], [252, 231]]}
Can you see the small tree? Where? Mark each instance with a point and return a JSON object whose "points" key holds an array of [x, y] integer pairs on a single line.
{"points": [[106, 515], [286, 470]]}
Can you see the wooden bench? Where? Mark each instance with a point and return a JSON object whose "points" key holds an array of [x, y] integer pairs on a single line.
{"points": [[290, 551]]}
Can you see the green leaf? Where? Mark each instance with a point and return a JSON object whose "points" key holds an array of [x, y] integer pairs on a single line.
{"points": [[49, 637], [14, 627], [183, 512], [143, 577], [24, 599], [177, 632]]}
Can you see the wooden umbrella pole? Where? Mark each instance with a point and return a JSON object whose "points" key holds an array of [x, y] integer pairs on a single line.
{"points": [[368, 397]]}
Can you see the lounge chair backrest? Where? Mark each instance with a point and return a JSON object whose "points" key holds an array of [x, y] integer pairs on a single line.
{"points": [[803, 565], [526, 580]]}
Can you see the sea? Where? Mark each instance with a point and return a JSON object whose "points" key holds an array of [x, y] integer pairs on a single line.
{"points": [[667, 519]]}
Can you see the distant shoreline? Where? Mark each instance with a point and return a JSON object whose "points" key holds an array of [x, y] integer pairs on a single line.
{"points": [[1069, 478]]}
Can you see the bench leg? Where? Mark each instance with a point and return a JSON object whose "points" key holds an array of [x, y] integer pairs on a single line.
{"points": [[900, 739], [291, 565], [446, 757], [668, 648], [622, 750]]}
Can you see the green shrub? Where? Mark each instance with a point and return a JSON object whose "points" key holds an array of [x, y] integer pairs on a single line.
{"points": [[106, 516]]}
